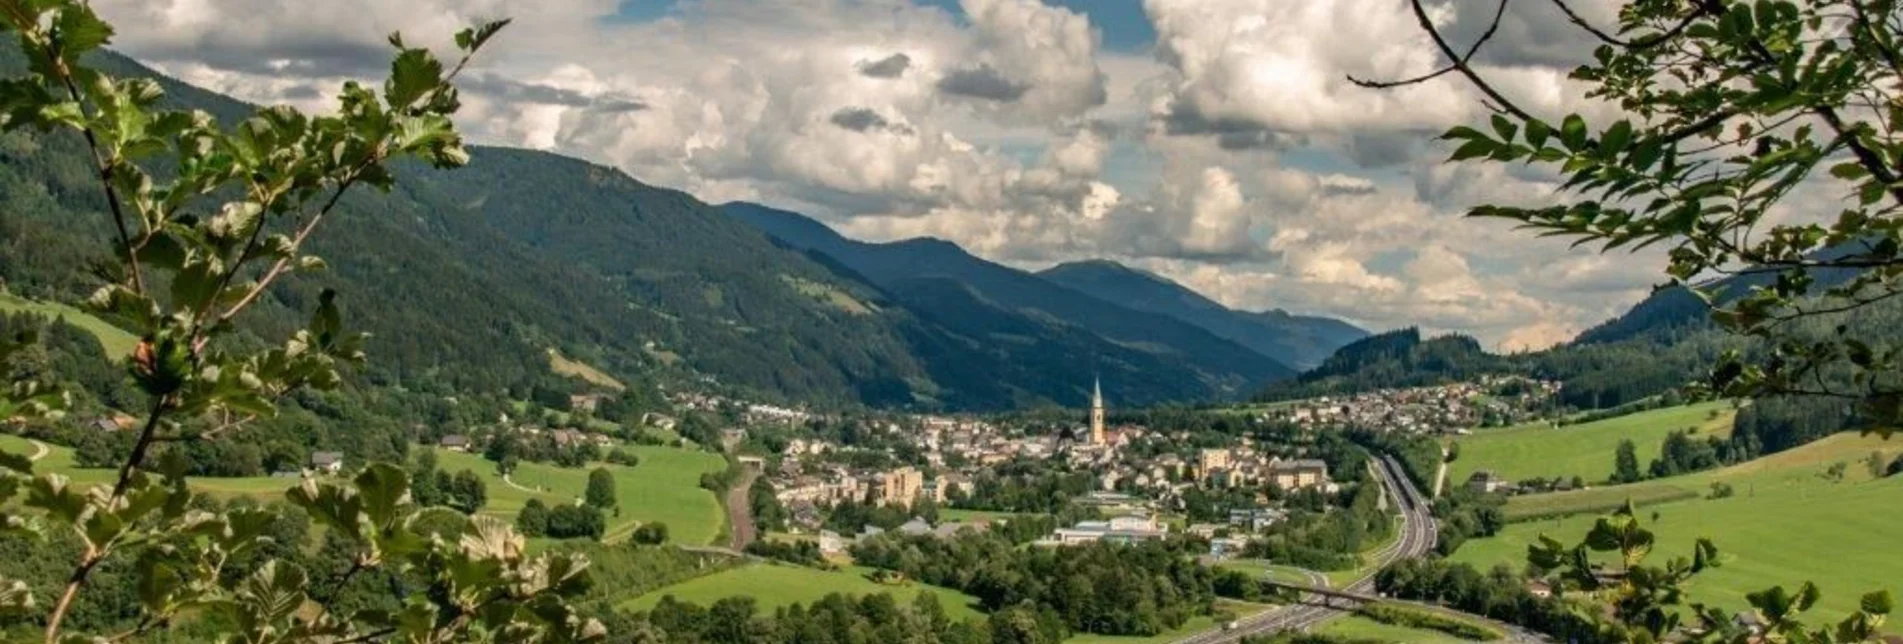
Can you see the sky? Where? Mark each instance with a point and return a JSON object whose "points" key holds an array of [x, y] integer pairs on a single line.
{"points": [[1214, 142]]}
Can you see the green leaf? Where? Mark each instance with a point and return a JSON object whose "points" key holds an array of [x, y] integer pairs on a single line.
{"points": [[1536, 133], [1615, 139], [414, 74], [1572, 132], [1849, 171], [1504, 127], [1877, 603], [1475, 148], [383, 488], [79, 30]]}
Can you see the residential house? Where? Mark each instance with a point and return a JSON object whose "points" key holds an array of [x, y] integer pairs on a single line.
{"points": [[1226, 547], [1296, 474], [917, 527], [1212, 460], [830, 543], [585, 403], [327, 462], [1256, 519], [898, 487], [1123, 529], [454, 443], [1487, 481]]}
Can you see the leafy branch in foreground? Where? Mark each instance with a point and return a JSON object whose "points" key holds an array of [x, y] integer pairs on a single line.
{"points": [[200, 243], [1763, 143], [1648, 600]]}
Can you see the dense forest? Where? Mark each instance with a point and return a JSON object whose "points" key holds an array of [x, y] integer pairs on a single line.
{"points": [[553, 253], [1109, 589]]}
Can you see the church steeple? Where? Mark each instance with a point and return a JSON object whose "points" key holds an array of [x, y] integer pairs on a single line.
{"points": [[1096, 412]]}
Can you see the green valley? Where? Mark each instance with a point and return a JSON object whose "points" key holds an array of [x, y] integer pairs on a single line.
{"points": [[1790, 520], [1585, 449]]}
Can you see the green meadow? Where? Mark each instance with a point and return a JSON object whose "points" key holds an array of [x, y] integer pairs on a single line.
{"points": [[1787, 523], [775, 585], [1362, 629], [665, 487], [1586, 449], [117, 341]]}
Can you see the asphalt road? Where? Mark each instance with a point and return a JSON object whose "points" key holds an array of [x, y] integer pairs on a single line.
{"points": [[1417, 536]]}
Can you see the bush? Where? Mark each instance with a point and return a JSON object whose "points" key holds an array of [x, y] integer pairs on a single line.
{"points": [[653, 533], [620, 456], [575, 521], [533, 520], [1413, 618]]}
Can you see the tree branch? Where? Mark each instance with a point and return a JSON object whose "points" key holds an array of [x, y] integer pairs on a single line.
{"points": [[1474, 49], [1647, 42], [102, 166], [1460, 64]]}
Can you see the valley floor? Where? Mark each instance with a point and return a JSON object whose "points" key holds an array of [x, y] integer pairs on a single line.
{"points": [[1789, 522]]}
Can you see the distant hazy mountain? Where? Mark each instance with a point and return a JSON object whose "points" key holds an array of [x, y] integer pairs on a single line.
{"points": [[1296, 340], [898, 267]]}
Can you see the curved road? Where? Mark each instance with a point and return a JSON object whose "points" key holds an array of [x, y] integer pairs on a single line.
{"points": [[1418, 532], [740, 511]]}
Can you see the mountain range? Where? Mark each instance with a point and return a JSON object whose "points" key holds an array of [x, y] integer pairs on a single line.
{"points": [[467, 278]]}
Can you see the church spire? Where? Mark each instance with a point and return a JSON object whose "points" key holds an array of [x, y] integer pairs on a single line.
{"points": [[1096, 412]]}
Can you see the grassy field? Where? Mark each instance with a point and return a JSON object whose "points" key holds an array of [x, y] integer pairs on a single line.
{"points": [[778, 585], [59, 459], [949, 514], [1195, 624], [1586, 449], [117, 341], [577, 369], [1360, 628], [1284, 574], [1788, 523], [665, 487]]}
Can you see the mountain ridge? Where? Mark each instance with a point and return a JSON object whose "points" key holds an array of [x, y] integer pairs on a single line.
{"points": [[1226, 365], [466, 278], [1299, 341]]}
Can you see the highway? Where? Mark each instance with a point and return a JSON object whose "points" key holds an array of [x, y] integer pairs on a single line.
{"points": [[1417, 536]]}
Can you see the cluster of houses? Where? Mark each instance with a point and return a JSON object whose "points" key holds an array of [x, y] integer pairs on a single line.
{"points": [[832, 543], [1246, 467], [1444, 409]]}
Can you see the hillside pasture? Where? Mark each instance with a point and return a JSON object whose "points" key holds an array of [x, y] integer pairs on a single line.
{"points": [[775, 585], [59, 460], [665, 487], [1585, 450], [1787, 523], [1361, 629], [117, 342]]}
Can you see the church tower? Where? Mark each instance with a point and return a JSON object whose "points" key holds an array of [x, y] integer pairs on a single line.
{"points": [[1096, 413]]}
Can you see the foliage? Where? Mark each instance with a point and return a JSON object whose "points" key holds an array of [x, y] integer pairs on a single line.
{"points": [[1416, 618], [1625, 463], [652, 533], [533, 519], [1739, 105], [802, 553], [835, 618], [1142, 589], [1647, 599], [601, 488], [187, 266], [1498, 593], [567, 521]]}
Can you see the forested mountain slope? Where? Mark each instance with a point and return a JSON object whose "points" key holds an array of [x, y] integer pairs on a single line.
{"points": [[1296, 340], [466, 278], [1222, 363]]}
